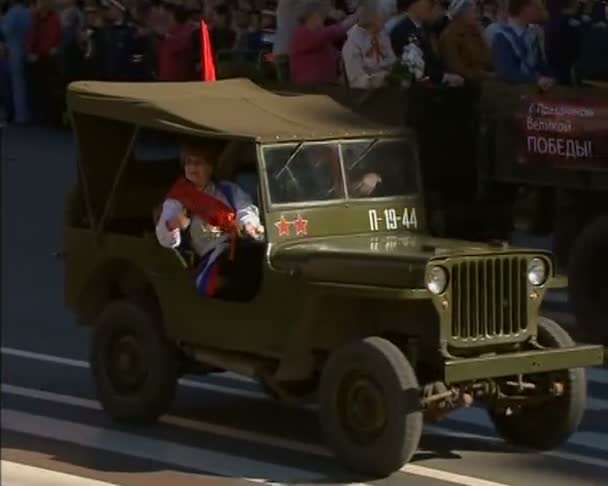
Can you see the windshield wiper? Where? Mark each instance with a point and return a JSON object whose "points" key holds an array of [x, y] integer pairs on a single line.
{"points": [[289, 160], [364, 154]]}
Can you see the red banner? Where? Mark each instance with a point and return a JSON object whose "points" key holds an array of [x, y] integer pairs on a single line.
{"points": [[560, 133]]}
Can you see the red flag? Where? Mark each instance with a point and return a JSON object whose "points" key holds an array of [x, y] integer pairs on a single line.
{"points": [[207, 64]]}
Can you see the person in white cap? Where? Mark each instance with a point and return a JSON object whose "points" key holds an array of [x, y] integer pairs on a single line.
{"points": [[367, 53], [463, 48]]}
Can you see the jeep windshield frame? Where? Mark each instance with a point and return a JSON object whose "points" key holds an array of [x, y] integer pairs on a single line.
{"points": [[277, 159]]}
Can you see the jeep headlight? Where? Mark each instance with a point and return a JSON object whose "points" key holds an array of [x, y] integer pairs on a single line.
{"points": [[437, 280], [537, 271]]}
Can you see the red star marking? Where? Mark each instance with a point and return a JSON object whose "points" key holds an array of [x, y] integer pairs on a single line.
{"points": [[301, 225], [283, 226]]}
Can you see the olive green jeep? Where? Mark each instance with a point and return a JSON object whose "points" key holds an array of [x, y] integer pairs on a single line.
{"points": [[346, 301]]}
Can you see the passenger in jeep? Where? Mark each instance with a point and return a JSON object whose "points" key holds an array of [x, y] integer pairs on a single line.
{"points": [[205, 215]]}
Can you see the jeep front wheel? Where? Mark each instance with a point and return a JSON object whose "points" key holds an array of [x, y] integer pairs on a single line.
{"points": [[134, 366], [369, 406], [547, 423]]}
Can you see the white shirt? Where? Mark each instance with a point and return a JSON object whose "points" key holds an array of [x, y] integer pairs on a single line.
{"points": [[367, 57], [246, 213]]}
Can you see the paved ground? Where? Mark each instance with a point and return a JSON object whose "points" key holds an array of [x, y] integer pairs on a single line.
{"points": [[221, 429]]}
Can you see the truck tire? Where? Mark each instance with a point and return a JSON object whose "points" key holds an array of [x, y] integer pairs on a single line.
{"points": [[134, 366], [369, 406], [586, 280], [550, 424]]}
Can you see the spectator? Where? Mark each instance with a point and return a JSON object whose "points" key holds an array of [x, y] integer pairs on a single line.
{"points": [[593, 61], [92, 43], [463, 48], [144, 48], [501, 19], [254, 38], [287, 23], [196, 17], [413, 31], [441, 17], [489, 13], [15, 25], [517, 51], [72, 24], [118, 40], [367, 53], [313, 57], [223, 37], [43, 41], [564, 34], [395, 15], [242, 27], [175, 49]]}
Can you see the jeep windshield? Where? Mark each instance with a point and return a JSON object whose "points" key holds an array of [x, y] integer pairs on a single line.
{"points": [[310, 172]]}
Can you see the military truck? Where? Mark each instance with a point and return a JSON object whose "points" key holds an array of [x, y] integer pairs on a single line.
{"points": [[347, 299]]}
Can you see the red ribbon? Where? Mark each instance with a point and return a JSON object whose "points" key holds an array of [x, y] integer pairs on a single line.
{"points": [[207, 64], [208, 208], [376, 50]]}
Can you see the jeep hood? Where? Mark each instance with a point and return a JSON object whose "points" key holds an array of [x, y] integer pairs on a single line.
{"points": [[380, 260]]}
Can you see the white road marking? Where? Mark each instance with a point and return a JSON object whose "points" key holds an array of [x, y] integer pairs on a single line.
{"points": [[449, 477], [197, 425], [308, 448], [311, 449], [478, 416], [565, 456], [595, 404], [16, 474], [596, 375], [19, 353], [193, 458]]}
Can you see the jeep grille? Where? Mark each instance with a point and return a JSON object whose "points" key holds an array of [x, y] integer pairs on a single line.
{"points": [[489, 300]]}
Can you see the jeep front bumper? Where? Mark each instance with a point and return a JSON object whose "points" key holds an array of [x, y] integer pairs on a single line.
{"points": [[526, 362]]}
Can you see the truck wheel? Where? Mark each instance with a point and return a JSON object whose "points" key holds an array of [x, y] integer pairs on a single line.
{"points": [[134, 366], [587, 285], [548, 424], [369, 406]]}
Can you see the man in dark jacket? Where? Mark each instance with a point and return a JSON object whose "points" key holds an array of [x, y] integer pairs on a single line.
{"points": [[414, 29], [119, 43]]}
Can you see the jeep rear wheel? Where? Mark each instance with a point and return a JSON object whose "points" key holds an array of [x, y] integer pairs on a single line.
{"points": [[134, 366], [548, 423], [369, 406]]}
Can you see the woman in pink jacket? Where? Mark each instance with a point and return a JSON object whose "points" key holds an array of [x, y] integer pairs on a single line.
{"points": [[313, 56]]}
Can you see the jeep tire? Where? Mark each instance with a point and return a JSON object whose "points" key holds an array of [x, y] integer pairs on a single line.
{"points": [[370, 406], [547, 425], [134, 366]]}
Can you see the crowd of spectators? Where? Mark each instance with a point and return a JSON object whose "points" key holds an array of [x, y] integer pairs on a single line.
{"points": [[516, 41], [49, 43]]}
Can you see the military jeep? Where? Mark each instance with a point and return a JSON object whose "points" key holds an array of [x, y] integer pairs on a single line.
{"points": [[347, 300]]}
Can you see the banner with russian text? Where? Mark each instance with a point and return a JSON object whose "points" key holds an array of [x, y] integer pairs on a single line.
{"points": [[562, 133]]}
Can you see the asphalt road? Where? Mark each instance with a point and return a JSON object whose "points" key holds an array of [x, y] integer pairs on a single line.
{"points": [[222, 429]]}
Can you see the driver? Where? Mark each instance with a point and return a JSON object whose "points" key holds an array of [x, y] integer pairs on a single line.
{"points": [[206, 215]]}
